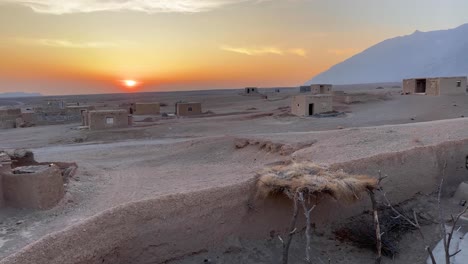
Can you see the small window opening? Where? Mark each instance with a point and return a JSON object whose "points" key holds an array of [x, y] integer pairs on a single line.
{"points": [[458, 83], [109, 120], [190, 109]]}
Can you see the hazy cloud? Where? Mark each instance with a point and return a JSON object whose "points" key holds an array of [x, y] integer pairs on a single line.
{"points": [[263, 51], [60, 7], [253, 51], [298, 52], [62, 43], [341, 52]]}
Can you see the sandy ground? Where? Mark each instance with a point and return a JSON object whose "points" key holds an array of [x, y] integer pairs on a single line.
{"points": [[187, 154]]}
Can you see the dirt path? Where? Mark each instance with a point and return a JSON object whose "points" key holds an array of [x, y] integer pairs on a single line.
{"points": [[117, 173]]}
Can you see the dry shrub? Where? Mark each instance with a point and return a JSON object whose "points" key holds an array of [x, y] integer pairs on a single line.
{"points": [[314, 180], [360, 230]]}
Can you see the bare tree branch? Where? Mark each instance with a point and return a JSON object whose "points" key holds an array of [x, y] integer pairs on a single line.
{"points": [[307, 212], [292, 230], [428, 249], [378, 235]]}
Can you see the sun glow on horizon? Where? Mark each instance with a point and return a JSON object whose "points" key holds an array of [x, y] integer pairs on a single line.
{"points": [[130, 83]]}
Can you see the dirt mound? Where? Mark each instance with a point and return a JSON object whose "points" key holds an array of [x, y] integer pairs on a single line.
{"points": [[273, 147]]}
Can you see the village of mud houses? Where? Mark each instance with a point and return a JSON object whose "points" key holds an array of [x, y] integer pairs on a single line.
{"points": [[233, 132]]}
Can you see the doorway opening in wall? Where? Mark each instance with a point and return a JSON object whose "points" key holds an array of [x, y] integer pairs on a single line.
{"points": [[458, 83], [420, 86], [311, 109], [190, 109]]}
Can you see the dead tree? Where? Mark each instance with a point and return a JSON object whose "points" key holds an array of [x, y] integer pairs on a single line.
{"points": [[378, 234], [448, 236], [291, 231], [308, 234]]}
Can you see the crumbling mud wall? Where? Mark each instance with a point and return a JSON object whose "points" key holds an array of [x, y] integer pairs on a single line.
{"points": [[26, 183], [5, 166], [416, 170], [168, 228], [34, 187]]}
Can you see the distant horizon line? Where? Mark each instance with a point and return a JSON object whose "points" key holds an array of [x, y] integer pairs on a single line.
{"points": [[177, 91]]}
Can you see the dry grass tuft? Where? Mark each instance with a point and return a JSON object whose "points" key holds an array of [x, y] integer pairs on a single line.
{"points": [[313, 180]]}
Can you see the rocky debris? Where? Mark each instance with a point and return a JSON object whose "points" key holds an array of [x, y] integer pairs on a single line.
{"points": [[78, 140], [30, 169], [241, 143], [273, 147], [21, 157], [69, 172], [26, 124], [23, 161], [4, 157]]}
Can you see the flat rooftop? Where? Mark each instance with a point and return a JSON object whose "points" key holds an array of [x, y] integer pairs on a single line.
{"points": [[109, 111]]}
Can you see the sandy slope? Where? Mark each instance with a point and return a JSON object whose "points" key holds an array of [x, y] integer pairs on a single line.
{"points": [[184, 155]]}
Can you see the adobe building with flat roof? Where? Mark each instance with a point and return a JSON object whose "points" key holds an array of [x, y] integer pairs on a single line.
{"points": [[251, 90], [188, 108], [310, 104], [106, 119], [436, 86], [145, 108]]}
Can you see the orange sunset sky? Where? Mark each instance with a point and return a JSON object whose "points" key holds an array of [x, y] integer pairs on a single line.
{"points": [[90, 46]]}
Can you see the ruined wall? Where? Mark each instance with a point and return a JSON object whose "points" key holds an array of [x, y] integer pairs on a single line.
{"points": [[147, 109], [107, 119], [76, 110], [28, 117], [5, 166], [188, 109], [174, 226], [42, 188], [49, 117], [418, 169], [8, 117]]}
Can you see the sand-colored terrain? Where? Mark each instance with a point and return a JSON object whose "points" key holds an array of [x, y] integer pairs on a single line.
{"points": [[181, 156]]}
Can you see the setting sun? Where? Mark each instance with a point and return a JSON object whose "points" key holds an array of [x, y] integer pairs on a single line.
{"points": [[130, 83]]}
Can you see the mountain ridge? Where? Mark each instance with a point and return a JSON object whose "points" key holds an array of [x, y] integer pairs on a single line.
{"points": [[420, 54], [18, 94]]}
